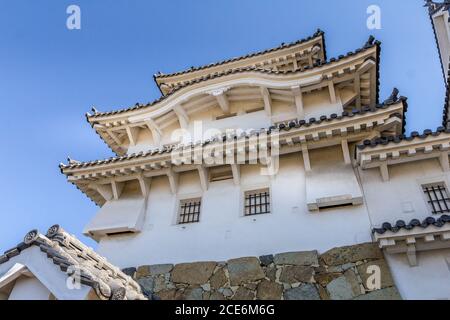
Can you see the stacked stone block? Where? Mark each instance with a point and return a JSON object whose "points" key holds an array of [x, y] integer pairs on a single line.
{"points": [[339, 274]]}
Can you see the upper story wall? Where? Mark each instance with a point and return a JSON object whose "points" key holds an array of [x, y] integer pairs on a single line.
{"points": [[402, 196], [243, 115]]}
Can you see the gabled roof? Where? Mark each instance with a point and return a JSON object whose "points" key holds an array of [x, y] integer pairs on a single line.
{"points": [[160, 78], [434, 6], [71, 255], [371, 43]]}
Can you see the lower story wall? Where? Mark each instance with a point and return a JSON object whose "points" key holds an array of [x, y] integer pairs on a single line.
{"points": [[429, 280], [343, 273]]}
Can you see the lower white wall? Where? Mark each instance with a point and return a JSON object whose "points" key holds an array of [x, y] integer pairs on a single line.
{"points": [[223, 232], [29, 289], [402, 198], [428, 281]]}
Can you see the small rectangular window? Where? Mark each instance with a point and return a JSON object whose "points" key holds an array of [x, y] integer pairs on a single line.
{"points": [[189, 211], [257, 202], [437, 197]]}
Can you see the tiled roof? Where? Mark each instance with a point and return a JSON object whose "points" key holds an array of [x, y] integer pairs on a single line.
{"points": [[282, 127], [317, 34], [71, 255], [397, 139], [368, 45], [434, 6], [415, 223]]}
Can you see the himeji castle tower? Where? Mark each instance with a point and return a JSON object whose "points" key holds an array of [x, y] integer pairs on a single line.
{"points": [[281, 174]]}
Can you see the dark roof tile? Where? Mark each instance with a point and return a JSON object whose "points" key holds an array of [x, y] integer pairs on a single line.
{"points": [[65, 250], [399, 225]]}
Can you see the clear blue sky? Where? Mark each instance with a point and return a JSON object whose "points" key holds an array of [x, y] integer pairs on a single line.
{"points": [[50, 76]]}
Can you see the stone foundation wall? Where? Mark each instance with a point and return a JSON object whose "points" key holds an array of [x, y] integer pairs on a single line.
{"points": [[339, 274]]}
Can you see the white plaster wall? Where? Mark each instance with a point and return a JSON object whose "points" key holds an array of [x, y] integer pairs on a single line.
{"points": [[47, 273], [223, 232], [401, 197], [317, 104], [29, 289], [428, 281], [328, 170]]}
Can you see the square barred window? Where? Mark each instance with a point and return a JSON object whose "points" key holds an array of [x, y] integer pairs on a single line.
{"points": [[437, 197], [189, 211], [257, 202]]}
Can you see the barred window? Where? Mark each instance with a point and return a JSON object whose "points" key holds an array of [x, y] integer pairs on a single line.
{"points": [[189, 211], [257, 202], [437, 196]]}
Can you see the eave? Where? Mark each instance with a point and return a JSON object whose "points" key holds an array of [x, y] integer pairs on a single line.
{"points": [[416, 236], [295, 136], [384, 152]]}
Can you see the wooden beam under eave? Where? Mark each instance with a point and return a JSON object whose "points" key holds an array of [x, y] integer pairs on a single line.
{"points": [[173, 180], [182, 116], [203, 174], [117, 188], [384, 171], [155, 130], [145, 184], [236, 169], [357, 87], [104, 190], [297, 91], [366, 66], [267, 101], [306, 160], [114, 137], [332, 91], [294, 62], [411, 254], [443, 160], [346, 152], [224, 104], [133, 134]]}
